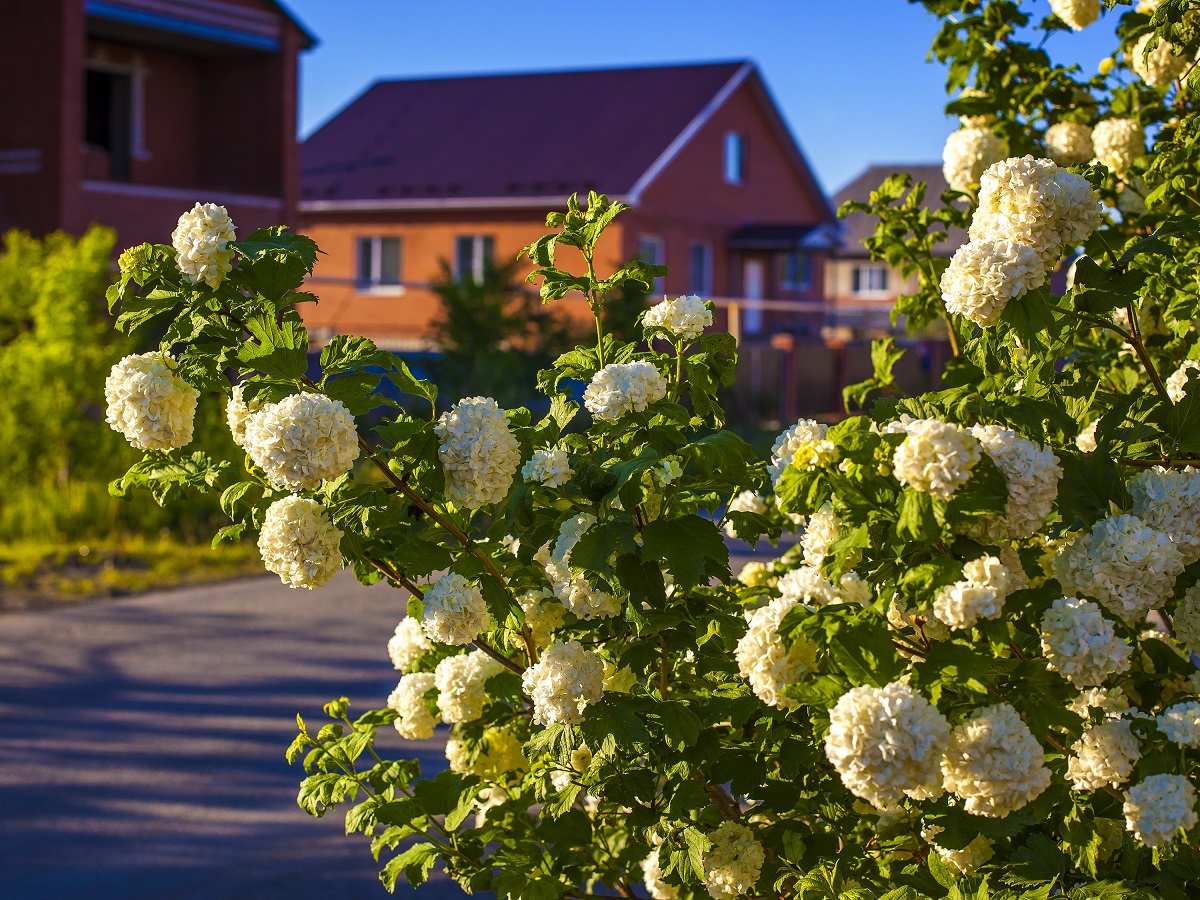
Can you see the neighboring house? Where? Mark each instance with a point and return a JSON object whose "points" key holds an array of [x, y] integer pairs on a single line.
{"points": [[463, 170], [127, 112], [863, 290]]}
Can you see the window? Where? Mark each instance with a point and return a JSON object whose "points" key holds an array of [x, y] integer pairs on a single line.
{"points": [[650, 250], [797, 271], [869, 280], [378, 263], [700, 269], [735, 158], [108, 118], [473, 256]]}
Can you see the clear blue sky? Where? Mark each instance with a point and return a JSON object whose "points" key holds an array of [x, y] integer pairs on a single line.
{"points": [[849, 75]]}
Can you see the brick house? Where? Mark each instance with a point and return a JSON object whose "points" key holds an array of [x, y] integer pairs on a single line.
{"points": [[126, 112], [463, 170]]}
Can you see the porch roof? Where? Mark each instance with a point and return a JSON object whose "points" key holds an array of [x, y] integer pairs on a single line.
{"points": [[783, 237]]}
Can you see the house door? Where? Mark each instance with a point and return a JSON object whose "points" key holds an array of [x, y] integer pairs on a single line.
{"points": [[754, 278]]}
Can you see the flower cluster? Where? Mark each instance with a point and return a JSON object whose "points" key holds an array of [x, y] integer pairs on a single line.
{"points": [[621, 388], [543, 614], [979, 595], [968, 153], [805, 584], [1069, 143], [765, 660], [1126, 565], [652, 879], [202, 241], [1118, 142], [408, 643], [1181, 724], [805, 446], [416, 722], [478, 452], [819, 535], [887, 743], [732, 864], [983, 276], [1081, 644], [935, 457], [149, 403], [994, 763], [572, 588], [1157, 67], [550, 467], [1031, 472], [1169, 500], [460, 681], [1187, 619], [1103, 757], [1176, 382], [499, 754], [1159, 807], [563, 682], [299, 542], [684, 317], [454, 611], [237, 411], [1078, 14], [302, 440]]}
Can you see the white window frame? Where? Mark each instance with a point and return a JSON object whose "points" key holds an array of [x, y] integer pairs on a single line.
{"points": [[735, 146], [373, 284], [477, 262], [705, 288], [137, 71], [869, 269]]}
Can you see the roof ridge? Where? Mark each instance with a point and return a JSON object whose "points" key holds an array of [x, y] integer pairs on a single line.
{"points": [[533, 73]]}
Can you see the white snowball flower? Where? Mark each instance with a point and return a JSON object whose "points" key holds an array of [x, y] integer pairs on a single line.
{"points": [[1181, 724], [618, 679], [887, 743], [478, 451], [416, 722], [1078, 14], [408, 643], [300, 543], [1169, 500], [454, 612], [550, 467], [1187, 619], [756, 574], [748, 502], [684, 317], [803, 445], [302, 440], [1118, 142], [621, 388], [1086, 441], [765, 661], [1034, 202], [968, 153], [732, 864], [994, 763], [543, 614], [819, 535], [983, 276], [573, 589], [1160, 66], [1032, 473], [1103, 757], [499, 754], [980, 594], [565, 680], [460, 681], [237, 411], [1159, 807], [201, 240], [652, 879], [1110, 701], [1069, 143], [935, 457], [964, 861], [148, 403], [1081, 644], [1126, 565], [807, 585], [1177, 381]]}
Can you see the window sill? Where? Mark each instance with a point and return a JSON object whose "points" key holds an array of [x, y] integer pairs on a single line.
{"points": [[381, 290]]}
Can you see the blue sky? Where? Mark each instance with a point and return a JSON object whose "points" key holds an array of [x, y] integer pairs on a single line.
{"points": [[849, 75]]}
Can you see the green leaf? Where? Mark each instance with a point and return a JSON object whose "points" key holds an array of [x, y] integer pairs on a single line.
{"points": [[281, 349], [692, 547], [415, 863], [275, 262]]}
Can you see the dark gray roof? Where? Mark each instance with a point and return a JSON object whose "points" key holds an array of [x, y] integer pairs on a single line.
{"points": [[858, 225]]}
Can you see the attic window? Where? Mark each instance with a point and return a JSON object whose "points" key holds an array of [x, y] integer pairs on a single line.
{"points": [[735, 158]]}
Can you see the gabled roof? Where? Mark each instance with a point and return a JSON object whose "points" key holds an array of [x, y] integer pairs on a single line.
{"points": [[514, 140], [857, 226]]}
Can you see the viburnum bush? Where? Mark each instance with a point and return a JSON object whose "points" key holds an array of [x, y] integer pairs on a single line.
{"points": [[970, 677]]}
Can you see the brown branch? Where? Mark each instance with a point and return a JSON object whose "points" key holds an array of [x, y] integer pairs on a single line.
{"points": [[480, 644], [728, 806], [397, 576], [1135, 341], [1165, 462]]}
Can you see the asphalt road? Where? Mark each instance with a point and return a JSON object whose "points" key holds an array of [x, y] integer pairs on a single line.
{"points": [[142, 742]]}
